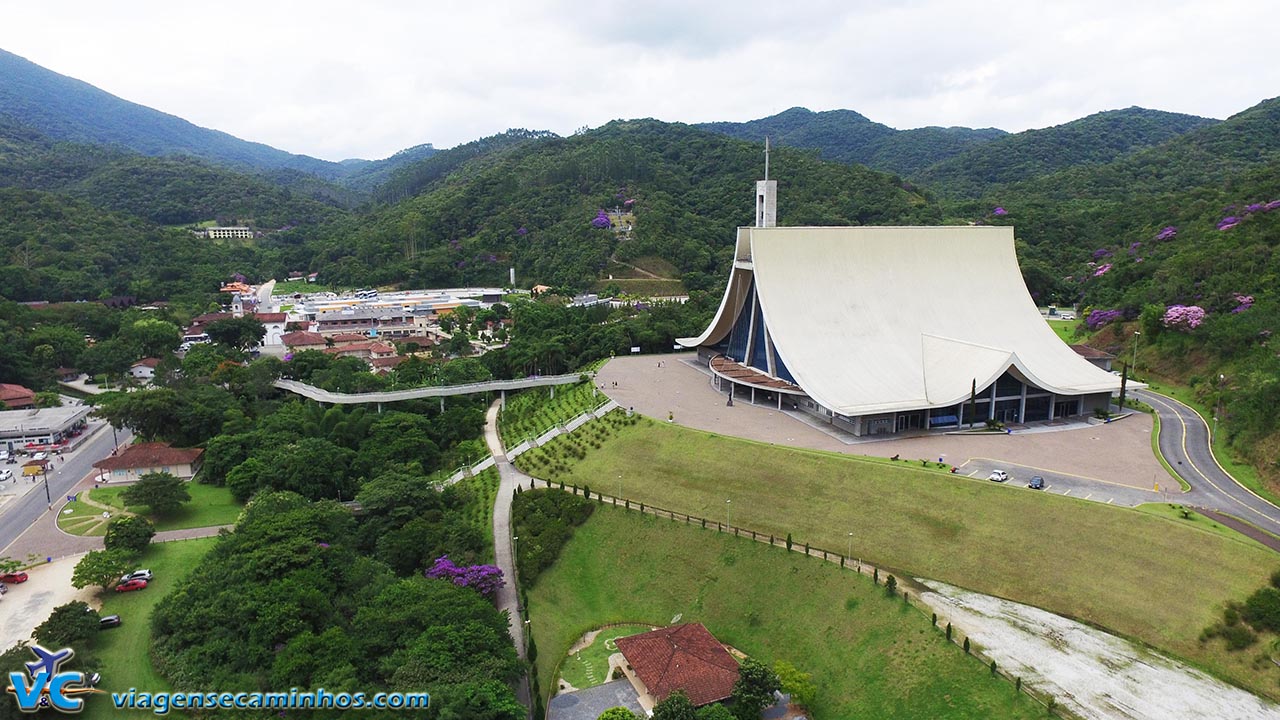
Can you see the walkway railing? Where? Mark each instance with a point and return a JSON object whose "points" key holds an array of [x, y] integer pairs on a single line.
{"points": [[433, 391]]}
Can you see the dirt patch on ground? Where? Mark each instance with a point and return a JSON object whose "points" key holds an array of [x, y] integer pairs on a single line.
{"points": [[1091, 673], [28, 604]]}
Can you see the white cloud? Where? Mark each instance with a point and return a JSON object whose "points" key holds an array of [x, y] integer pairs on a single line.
{"points": [[344, 79]]}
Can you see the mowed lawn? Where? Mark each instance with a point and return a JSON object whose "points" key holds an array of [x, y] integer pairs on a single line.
{"points": [[1156, 579], [125, 651], [871, 656], [209, 506]]}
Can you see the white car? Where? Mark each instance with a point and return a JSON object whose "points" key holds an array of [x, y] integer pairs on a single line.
{"points": [[6, 474], [998, 476], [137, 575], [40, 456]]}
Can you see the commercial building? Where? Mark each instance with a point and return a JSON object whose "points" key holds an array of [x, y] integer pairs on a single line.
{"points": [[34, 430], [890, 329]]}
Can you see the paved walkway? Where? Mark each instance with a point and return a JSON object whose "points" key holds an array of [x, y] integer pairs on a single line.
{"points": [[503, 545], [1117, 453]]}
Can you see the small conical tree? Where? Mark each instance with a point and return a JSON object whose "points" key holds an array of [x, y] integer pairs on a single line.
{"points": [[993, 668], [891, 586], [966, 645], [788, 541], [948, 632]]}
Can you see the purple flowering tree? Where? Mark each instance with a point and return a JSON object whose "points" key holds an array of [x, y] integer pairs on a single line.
{"points": [[1168, 233], [1102, 270], [601, 220], [999, 211], [1228, 222], [1243, 302], [484, 579], [1098, 318], [1183, 317]]}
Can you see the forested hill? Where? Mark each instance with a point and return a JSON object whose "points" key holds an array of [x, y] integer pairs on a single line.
{"points": [[848, 137], [531, 206], [67, 109], [1098, 138], [165, 190]]}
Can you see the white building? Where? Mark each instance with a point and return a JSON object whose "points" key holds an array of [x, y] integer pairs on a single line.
{"points": [[889, 329]]}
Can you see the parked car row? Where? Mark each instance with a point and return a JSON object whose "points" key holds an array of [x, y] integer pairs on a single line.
{"points": [[135, 580], [1035, 483]]}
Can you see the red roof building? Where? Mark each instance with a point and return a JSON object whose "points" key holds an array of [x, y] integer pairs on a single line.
{"points": [[16, 397], [143, 458], [681, 657], [303, 340], [265, 318]]}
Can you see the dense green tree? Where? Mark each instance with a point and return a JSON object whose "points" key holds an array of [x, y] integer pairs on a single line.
{"points": [[163, 493], [799, 685], [618, 713], [72, 625], [102, 568], [715, 711], [753, 690], [152, 336], [675, 706], [241, 333], [131, 533], [151, 413]]}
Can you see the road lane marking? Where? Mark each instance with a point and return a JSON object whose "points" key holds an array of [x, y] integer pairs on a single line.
{"points": [[1167, 403], [1068, 492]]}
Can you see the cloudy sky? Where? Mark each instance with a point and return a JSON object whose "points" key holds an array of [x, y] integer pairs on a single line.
{"points": [[365, 78]]}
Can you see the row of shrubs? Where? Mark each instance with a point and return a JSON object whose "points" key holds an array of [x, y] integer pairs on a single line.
{"points": [[553, 460], [535, 411]]}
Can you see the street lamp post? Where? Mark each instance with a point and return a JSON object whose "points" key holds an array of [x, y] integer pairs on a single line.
{"points": [[1137, 335], [48, 498], [727, 507], [619, 487], [850, 551], [1217, 409]]}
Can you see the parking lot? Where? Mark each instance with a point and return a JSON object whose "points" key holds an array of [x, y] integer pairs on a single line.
{"points": [[28, 604]]}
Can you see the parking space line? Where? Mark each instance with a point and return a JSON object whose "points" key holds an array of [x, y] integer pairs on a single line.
{"points": [[1111, 501], [1086, 497], [1068, 492]]}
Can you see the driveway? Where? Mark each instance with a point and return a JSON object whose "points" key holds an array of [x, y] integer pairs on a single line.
{"points": [[28, 604]]}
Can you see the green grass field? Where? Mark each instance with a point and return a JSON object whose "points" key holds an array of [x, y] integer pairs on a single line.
{"points": [[870, 656], [590, 665], [533, 412], [1136, 574], [1065, 329], [209, 506], [125, 652], [642, 287]]}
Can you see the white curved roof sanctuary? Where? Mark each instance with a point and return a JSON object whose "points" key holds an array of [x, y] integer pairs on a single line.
{"points": [[880, 319]]}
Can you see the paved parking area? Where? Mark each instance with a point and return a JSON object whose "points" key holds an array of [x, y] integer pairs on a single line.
{"points": [[1086, 460], [28, 604]]}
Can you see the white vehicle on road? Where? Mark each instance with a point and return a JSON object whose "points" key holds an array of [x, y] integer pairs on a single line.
{"points": [[998, 476]]}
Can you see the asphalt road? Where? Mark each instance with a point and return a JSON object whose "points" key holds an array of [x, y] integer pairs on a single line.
{"points": [[18, 515], [1184, 442]]}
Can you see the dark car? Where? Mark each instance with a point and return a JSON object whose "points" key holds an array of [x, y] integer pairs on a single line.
{"points": [[131, 585], [108, 621], [13, 577], [1037, 483]]}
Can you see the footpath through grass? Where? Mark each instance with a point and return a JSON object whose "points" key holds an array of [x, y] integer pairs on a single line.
{"points": [[209, 506], [1158, 580], [870, 656], [125, 652]]}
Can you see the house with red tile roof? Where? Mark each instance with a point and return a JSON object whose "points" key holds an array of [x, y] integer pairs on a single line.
{"points": [[16, 397], [681, 657], [144, 369], [274, 324], [142, 458], [304, 340]]}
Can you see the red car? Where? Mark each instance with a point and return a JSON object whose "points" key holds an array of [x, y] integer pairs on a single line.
{"points": [[131, 585], [14, 577]]}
